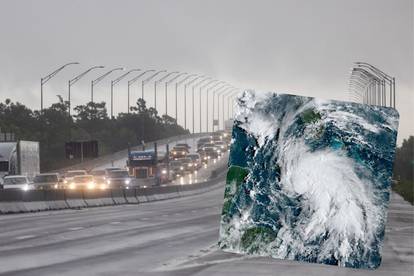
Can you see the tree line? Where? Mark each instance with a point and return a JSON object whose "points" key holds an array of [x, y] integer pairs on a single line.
{"points": [[404, 170], [54, 126]]}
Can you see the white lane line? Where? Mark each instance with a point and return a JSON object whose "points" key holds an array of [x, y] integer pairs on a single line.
{"points": [[115, 222], [76, 228], [25, 237]]}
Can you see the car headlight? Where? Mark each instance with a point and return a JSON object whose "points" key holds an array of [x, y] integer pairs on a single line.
{"points": [[108, 181], [190, 164], [225, 135], [91, 185], [103, 186], [25, 187], [72, 186], [55, 186], [181, 168], [65, 181], [127, 181], [222, 147], [218, 151], [164, 171]]}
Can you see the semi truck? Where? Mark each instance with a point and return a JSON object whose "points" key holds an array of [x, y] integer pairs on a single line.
{"points": [[19, 158]]}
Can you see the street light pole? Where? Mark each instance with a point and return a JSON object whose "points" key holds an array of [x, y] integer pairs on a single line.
{"points": [[214, 94], [149, 79], [208, 90], [185, 98], [130, 82], [77, 78], [97, 80], [201, 88], [47, 78], [222, 103], [226, 95], [155, 88], [166, 88], [195, 85], [176, 95], [113, 83]]}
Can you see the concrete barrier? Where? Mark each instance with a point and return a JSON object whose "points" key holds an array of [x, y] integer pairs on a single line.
{"points": [[74, 199], [131, 196], [55, 199], [34, 200], [118, 196], [94, 198], [16, 200], [11, 201]]}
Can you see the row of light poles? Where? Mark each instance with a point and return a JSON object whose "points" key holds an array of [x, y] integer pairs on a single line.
{"points": [[180, 78], [370, 85]]}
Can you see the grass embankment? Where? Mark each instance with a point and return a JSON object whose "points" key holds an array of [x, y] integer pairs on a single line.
{"points": [[405, 189]]}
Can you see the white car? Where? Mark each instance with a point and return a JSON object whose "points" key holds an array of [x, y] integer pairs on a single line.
{"points": [[17, 182]]}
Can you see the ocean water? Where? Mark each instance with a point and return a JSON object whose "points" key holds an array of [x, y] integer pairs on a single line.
{"points": [[309, 179]]}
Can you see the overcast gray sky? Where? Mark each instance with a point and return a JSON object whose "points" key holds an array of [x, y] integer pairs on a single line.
{"points": [[301, 47]]}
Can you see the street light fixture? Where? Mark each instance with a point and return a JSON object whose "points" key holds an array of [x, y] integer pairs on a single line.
{"points": [[192, 92], [48, 77], [77, 78], [114, 82], [130, 82], [149, 79], [166, 88], [96, 81], [155, 88]]}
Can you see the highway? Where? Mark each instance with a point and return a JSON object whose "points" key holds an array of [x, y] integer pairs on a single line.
{"points": [[170, 237]]}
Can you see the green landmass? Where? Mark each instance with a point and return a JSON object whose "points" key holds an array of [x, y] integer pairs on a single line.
{"points": [[310, 116], [235, 177], [254, 238]]}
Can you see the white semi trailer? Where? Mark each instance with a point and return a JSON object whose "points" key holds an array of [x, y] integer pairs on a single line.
{"points": [[19, 158]]}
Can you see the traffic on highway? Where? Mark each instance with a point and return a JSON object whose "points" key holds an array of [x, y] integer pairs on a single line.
{"points": [[143, 168]]}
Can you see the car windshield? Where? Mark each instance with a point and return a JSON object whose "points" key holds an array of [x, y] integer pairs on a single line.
{"points": [[180, 148], [209, 149], [118, 174], [74, 173], [83, 179], [46, 178], [98, 173], [193, 156], [175, 163], [15, 180], [182, 145]]}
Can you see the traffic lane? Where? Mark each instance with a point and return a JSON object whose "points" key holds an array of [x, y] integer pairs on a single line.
{"points": [[103, 237], [121, 163], [398, 255], [204, 173]]}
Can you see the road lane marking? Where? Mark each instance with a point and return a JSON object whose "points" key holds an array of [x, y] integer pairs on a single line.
{"points": [[115, 222], [25, 237], [76, 228]]}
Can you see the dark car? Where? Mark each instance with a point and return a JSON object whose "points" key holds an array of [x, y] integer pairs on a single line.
{"points": [[195, 157], [202, 141], [176, 168], [119, 179], [178, 152], [46, 181], [187, 164], [211, 152]]}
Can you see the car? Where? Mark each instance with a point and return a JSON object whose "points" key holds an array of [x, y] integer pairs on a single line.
{"points": [[17, 182], [99, 176], [184, 145], [176, 168], [107, 170], [221, 145], [119, 179], [195, 157], [187, 164], [202, 141], [211, 152], [46, 181], [179, 152], [83, 182], [69, 175]]}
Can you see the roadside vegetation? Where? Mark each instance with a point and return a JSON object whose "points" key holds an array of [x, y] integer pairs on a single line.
{"points": [[54, 126], [404, 170]]}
